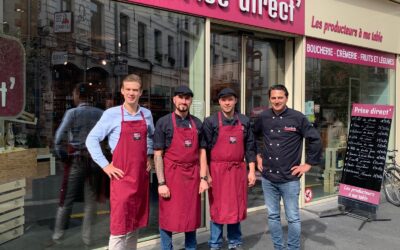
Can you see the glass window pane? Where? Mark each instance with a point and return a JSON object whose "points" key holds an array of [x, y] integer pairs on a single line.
{"points": [[105, 42], [225, 63], [331, 89]]}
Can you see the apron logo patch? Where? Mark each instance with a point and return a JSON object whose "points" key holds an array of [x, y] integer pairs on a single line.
{"points": [[137, 136], [291, 129], [232, 139], [188, 143]]}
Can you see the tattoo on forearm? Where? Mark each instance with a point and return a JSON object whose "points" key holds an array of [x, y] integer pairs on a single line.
{"points": [[159, 164]]}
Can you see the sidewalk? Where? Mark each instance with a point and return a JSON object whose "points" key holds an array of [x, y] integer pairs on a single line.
{"points": [[340, 232]]}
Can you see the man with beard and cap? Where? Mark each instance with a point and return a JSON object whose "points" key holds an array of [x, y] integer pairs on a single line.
{"points": [[129, 129], [181, 176], [229, 139]]}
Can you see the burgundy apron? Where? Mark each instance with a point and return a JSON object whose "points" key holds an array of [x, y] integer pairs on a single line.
{"points": [[228, 194], [129, 196], [181, 212]]}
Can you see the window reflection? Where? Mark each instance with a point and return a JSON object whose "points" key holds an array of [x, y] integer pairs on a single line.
{"points": [[97, 42], [331, 89]]}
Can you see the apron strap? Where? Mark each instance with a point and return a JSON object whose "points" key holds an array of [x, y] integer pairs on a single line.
{"points": [[122, 113], [190, 118]]}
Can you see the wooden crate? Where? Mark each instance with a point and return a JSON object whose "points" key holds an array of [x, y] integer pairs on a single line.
{"points": [[12, 218], [17, 165]]}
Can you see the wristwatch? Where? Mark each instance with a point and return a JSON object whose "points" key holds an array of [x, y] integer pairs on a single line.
{"points": [[204, 178], [162, 183]]}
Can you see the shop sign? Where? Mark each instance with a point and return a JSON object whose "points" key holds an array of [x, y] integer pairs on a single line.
{"points": [[345, 30], [366, 150], [63, 22], [12, 77], [59, 57], [349, 54], [281, 15]]}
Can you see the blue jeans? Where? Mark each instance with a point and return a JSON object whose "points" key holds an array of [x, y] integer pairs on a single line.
{"points": [[289, 192], [166, 240], [234, 235]]}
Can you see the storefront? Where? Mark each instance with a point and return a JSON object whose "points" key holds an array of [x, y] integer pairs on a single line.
{"points": [[348, 59], [247, 45]]}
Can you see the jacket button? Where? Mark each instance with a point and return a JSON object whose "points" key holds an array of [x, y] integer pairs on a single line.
{"points": [[279, 131], [281, 117], [277, 144], [270, 157], [270, 171], [270, 144], [277, 158], [273, 117], [272, 130], [277, 172]]}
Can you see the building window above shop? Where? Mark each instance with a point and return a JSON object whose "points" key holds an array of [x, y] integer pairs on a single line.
{"points": [[97, 26], [123, 33], [158, 46], [65, 5], [171, 51], [186, 54], [141, 40]]}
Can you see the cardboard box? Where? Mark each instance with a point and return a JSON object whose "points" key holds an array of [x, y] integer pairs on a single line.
{"points": [[19, 164]]}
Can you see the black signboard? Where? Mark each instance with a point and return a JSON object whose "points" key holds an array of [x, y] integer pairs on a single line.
{"points": [[365, 155]]}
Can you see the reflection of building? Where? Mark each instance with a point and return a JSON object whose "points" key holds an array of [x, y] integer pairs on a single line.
{"points": [[207, 47]]}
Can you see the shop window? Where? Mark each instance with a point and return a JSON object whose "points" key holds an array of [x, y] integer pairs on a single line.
{"points": [[55, 63], [331, 89], [123, 32], [141, 40]]}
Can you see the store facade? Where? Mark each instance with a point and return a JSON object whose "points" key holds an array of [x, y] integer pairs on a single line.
{"points": [[348, 59], [247, 45]]}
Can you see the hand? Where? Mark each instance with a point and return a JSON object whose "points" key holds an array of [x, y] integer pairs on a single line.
{"points": [[251, 177], [163, 191], [259, 163], [209, 180], [203, 186], [113, 172], [149, 164], [301, 169]]}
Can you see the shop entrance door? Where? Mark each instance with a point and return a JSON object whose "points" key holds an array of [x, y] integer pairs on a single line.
{"points": [[249, 63]]}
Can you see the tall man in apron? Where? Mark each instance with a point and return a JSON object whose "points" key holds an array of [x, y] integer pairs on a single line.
{"points": [[129, 129], [229, 139], [181, 177]]}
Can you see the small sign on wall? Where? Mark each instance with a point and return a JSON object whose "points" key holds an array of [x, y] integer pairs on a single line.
{"points": [[63, 22]]}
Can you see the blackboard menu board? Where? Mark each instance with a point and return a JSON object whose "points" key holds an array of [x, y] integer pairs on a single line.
{"points": [[366, 152]]}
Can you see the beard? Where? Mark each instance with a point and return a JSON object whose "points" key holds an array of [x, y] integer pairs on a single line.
{"points": [[182, 108]]}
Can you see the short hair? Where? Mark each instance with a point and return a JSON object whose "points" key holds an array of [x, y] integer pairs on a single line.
{"points": [[131, 78], [278, 87], [83, 90]]}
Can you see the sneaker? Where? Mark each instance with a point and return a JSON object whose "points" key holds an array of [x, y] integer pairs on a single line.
{"points": [[238, 247]]}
